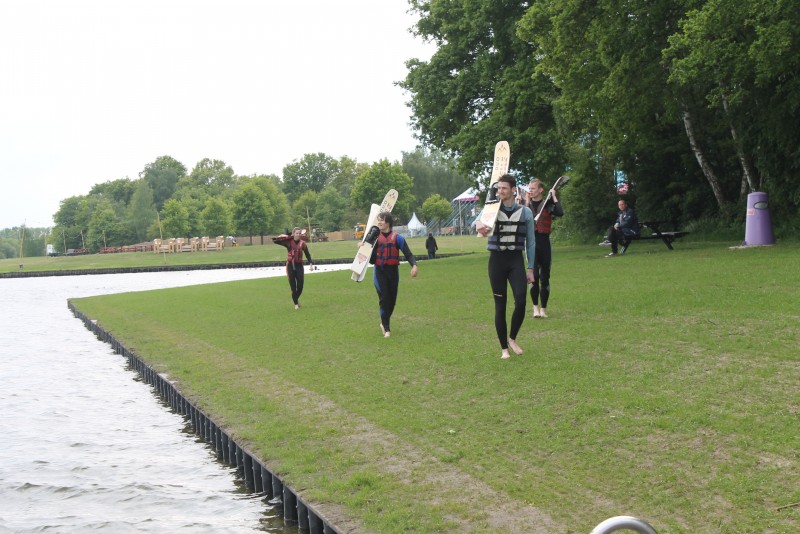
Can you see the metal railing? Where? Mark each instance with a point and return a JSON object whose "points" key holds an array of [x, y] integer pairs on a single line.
{"points": [[623, 522]]}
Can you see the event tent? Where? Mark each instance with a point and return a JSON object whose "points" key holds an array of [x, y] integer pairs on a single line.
{"points": [[415, 227]]}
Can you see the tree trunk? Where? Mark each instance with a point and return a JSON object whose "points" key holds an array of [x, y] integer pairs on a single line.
{"points": [[743, 160], [701, 159]]}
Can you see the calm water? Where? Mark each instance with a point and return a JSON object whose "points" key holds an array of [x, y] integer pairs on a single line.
{"points": [[86, 446]]}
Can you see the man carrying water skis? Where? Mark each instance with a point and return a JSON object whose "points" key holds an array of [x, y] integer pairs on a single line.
{"points": [[513, 232], [386, 273]]}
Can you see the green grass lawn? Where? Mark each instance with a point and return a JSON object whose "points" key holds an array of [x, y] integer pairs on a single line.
{"points": [[664, 385]]}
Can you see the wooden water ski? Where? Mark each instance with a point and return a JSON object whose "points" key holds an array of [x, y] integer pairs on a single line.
{"points": [[502, 159], [561, 182]]}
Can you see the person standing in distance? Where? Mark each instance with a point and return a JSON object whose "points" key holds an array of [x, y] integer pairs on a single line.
{"points": [[386, 273], [294, 262], [431, 246], [513, 232], [542, 228]]}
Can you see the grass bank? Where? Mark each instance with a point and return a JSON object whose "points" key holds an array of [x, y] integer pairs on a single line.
{"points": [[241, 254], [664, 385]]}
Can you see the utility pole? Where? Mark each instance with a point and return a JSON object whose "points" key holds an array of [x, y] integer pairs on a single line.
{"points": [[21, 239]]}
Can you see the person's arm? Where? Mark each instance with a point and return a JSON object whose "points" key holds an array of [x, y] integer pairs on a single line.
{"points": [[403, 246], [481, 228], [555, 208], [281, 242], [308, 255]]}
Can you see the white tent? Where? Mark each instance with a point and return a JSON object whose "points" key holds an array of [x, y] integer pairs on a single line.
{"points": [[415, 227]]}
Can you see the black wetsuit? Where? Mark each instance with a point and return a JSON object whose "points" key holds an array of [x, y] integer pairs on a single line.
{"points": [[294, 265], [386, 273], [544, 251], [513, 233]]}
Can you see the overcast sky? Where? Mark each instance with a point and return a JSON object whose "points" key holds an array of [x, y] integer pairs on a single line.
{"points": [[93, 90]]}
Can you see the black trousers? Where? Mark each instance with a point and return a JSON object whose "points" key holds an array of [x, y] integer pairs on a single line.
{"points": [[617, 237], [544, 259], [508, 268], [387, 281], [296, 275]]}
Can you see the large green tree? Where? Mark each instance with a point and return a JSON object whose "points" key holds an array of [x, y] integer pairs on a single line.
{"points": [[142, 210], [331, 209], [436, 208], [216, 217], [434, 173], [117, 191], [212, 176], [193, 197], [740, 59], [72, 222], [372, 185], [268, 184], [175, 219], [691, 102], [311, 173], [345, 178], [252, 212], [23, 242], [482, 86], [162, 175], [305, 207], [614, 103], [105, 228]]}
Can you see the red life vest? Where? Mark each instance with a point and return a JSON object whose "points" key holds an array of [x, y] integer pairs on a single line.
{"points": [[387, 251], [545, 223], [295, 251]]}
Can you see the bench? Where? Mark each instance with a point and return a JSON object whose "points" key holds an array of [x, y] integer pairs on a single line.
{"points": [[655, 233]]}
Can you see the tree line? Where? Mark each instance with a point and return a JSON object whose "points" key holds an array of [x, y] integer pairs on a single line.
{"points": [[168, 200], [23, 241], [688, 105]]}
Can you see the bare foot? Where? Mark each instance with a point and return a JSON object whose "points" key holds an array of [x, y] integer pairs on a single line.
{"points": [[516, 348], [505, 355], [536, 312], [544, 313]]}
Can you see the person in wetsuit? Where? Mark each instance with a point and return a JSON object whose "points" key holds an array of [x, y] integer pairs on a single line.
{"points": [[294, 262], [386, 259], [542, 228], [513, 232]]}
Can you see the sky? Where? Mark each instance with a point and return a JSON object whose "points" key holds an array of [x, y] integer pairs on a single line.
{"points": [[94, 90]]}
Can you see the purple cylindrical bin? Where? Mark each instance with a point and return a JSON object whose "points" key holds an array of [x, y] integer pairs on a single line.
{"points": [[758, 223]]}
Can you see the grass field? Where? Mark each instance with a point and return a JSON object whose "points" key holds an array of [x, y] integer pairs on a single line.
{"points": [[664, 385]]}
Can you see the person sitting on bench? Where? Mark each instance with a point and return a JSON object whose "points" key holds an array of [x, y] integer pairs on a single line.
{"points": [[626, 226]]}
